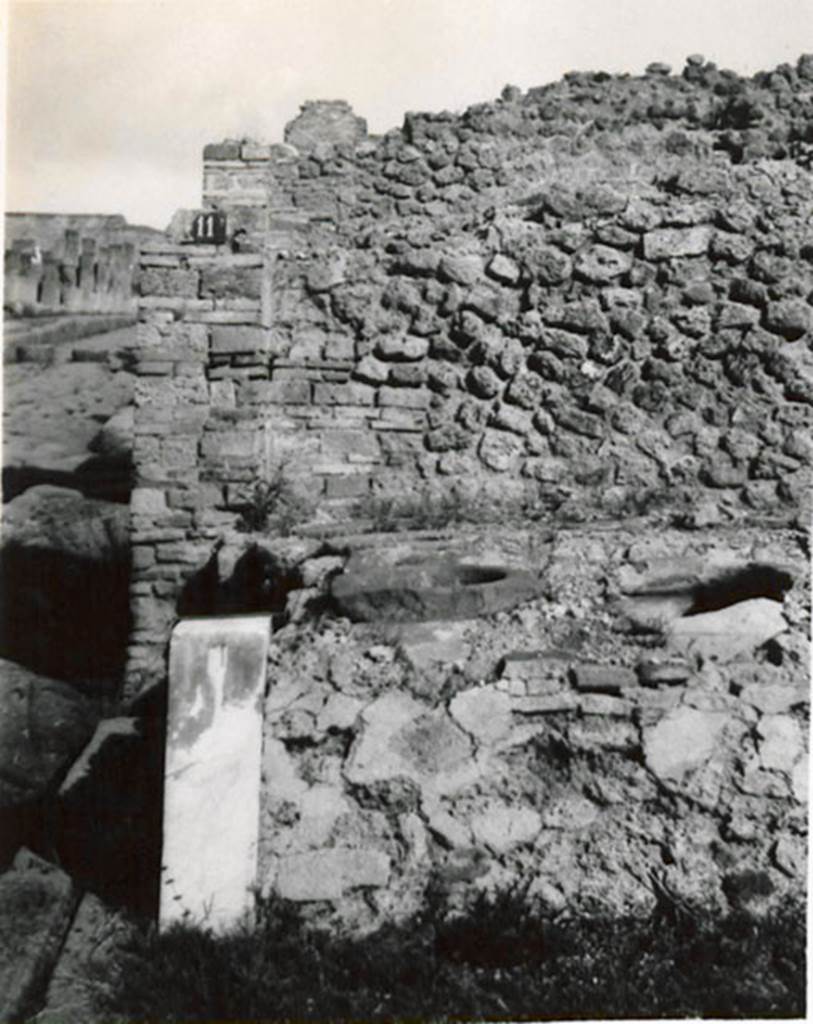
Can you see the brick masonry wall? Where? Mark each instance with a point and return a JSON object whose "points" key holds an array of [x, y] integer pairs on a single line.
{"points": [[231, 385]]}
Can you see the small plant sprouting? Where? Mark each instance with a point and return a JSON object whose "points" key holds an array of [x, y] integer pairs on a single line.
{"points": [[275, 504]]}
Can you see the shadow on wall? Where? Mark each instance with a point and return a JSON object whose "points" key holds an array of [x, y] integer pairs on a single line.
{"points": [[103, 477], [257, 583], [65, 616], [106, 830]]}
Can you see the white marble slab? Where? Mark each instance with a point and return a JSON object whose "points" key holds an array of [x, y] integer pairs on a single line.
{"points": [[217, 670]]}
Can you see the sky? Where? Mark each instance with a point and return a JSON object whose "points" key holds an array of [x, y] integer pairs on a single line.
{"points": [[110, 102]]}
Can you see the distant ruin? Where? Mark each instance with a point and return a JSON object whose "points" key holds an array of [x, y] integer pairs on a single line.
{"points": [[70, 263]]}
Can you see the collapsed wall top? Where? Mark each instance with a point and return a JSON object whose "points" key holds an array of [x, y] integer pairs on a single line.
{"points": [[325, 123]]}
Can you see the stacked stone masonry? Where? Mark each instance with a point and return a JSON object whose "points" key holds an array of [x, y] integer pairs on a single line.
{"points": [[597, 290]]}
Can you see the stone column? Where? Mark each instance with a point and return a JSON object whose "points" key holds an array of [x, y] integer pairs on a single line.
{"points": [[87, 283], [51, 297]]}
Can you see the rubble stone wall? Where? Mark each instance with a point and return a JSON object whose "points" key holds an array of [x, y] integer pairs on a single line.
{"points": [[593, 292], [550, 750]]}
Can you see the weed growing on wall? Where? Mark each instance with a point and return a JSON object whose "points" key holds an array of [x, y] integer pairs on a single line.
{"points": [[275, 504]]}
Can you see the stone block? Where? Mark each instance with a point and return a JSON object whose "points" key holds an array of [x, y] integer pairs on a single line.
{"points": [[148, 501], [227, 340], [229, 150], [671, 243], [685, 739], [229, 443], [231, 282], [287, 392], [546, 704], [604, 704], [501, 828], [404, 398], [37, 902], [350, 486], [329, 874], [213, 768], [729, 632], [484, 712], [603, 678], [407, 349], [351, 445], [343, 394], [160, 281]]}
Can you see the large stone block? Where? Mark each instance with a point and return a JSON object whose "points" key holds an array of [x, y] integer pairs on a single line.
{"points": [[329, 874], [322, 124], [227, 340], [37, 901], [231, 282], [160, 281], [343, 394], [729, 632], [404, 398], [213, 768], [670, 243]]}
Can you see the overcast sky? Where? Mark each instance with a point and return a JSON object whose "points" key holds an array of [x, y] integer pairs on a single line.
{"points": [[111, 101]]}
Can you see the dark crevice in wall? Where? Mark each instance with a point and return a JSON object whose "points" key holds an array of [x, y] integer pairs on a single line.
{"points": [[744, 584]]}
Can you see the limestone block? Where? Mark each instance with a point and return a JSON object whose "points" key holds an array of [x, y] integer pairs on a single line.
{"points": [[226, 340], [462, 269], [148, 501], [228, 150], [503, 269], [601, 263], [343, 394], [322, 124], [570, 812], [669, 243], [400, 738], [423, 644], [37, 901], [408, 348], [160, 281], [604, 704], [349, 486], [213, 767], [339, 712], [500, 828], [500, 451], [731, 631], [780, 743], [371, 370], [685, 739], [329, 874], [603, 678], [285, 392], [484, 712], [351, 445], [546, 704], [403, 398]]}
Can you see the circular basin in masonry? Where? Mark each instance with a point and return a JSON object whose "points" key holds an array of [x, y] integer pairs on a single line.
{"points": [[421, 588]]}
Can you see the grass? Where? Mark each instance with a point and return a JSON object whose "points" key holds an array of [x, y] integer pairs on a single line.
{"points": [[499, 962], [428, 509], [275, 504]]}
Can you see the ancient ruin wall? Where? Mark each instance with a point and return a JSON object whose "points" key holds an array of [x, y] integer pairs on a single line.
{"points": [[510, 302]]}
